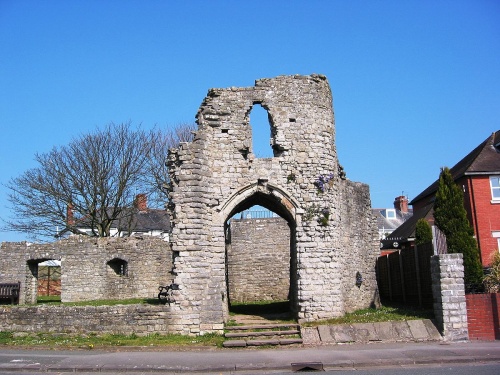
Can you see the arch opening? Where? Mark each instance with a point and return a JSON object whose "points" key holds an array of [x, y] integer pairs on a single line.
{"points": [[44, 281], [118, 267], [261, 259]]}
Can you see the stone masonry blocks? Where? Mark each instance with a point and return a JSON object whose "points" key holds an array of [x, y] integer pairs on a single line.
{"points": [[448, 291]]}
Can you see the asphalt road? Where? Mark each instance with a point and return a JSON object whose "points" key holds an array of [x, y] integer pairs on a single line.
{"points": [[408, 358]]}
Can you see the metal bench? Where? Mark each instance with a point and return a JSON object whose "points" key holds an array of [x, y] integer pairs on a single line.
{"points": [[10, 291], [165, 294]]}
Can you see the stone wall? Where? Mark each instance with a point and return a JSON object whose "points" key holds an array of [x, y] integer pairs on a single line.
{"points": [[258, 260], [448, 289], [91, 268], [333, 233], [119, 319]]}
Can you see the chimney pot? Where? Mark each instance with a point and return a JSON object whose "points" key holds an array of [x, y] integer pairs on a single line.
{"points": [[70, 217], [401, 203], [141, 202]]}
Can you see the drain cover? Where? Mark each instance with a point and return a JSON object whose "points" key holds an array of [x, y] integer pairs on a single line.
{"points": [[307, 366]]}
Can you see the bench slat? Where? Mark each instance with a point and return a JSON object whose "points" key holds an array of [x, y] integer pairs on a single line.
{"points": [[10, 290]]}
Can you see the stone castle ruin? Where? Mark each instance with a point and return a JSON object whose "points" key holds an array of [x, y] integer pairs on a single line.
{"points": [[323, 249], [333, 237]]}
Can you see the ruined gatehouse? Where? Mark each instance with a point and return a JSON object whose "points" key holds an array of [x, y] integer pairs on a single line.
{"points": [[319, 255], [333, 237]]}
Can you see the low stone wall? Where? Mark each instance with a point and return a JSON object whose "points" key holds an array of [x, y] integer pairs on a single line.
{"points": [[483, 316], [119, 319], [401, 331]]}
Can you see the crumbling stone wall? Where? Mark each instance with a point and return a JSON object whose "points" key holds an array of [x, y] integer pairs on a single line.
{"points": [[91, 268], [258, 260], [333, 232]]}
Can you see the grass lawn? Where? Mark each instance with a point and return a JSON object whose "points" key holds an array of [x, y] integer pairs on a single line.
{"points": [[95, 341], [389, 312], [56, 300]]}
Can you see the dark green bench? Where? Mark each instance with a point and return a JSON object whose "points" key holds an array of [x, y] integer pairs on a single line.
{"points": [[10, 291]]}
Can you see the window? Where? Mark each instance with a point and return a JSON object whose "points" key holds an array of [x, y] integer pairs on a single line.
{"points": [[497, 236], [119, 266], [260, 123], [495, 188], [390, 214]]}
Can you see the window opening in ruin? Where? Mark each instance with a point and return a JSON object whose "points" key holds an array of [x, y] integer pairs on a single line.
{"points": [[45, 283], [119, 266], [259, 263], [260, 123]]}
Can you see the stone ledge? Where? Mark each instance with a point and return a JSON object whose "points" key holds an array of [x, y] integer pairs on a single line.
{"points": [[397, 331]]}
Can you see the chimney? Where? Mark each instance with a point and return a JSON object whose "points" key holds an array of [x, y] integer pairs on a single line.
{"points": [[401, 203], [141, 202], [70, 218]]}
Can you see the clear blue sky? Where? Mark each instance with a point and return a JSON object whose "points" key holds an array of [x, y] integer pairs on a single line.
{"points": [[416, 84]]}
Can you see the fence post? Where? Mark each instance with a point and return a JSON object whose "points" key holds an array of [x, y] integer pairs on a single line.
{"points": [[448, 290], [402, 275], [417, 273], [389, 276]]}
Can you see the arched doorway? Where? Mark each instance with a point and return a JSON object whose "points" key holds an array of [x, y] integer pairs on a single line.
{"points": [[261, 257]]}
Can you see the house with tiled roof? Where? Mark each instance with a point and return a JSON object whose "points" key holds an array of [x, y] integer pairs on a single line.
{"points": [[403, 237], [388, 219], [478, 174], [139, 220]]}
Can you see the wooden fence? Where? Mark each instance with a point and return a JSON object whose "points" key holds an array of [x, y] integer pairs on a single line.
{"points": [[405, 276]]}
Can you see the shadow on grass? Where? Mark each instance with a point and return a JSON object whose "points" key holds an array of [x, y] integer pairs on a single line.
{"points": [[270, 310], [48, 299], [409, 310]]}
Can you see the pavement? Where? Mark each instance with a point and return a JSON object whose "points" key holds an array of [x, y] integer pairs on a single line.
{"points": [[230, 361]]}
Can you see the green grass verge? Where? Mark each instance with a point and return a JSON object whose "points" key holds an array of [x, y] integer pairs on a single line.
{"points": [[56, 300], [383, 314], [94, 341]]}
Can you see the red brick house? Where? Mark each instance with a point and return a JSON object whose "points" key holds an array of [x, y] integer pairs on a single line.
{"points": [[478, 174]]}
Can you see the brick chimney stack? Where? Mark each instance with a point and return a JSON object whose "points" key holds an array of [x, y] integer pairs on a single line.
{"points": [[141, 202], [401, 203], [70, 218]]}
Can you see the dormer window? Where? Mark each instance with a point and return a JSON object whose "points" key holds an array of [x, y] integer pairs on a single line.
{"points": [[495, 188], [390, 213]]}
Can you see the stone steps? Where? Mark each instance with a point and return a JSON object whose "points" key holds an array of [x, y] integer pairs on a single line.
{"points": [[262, 335]]}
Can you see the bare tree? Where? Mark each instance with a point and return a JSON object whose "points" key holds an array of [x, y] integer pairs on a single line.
{"points": [[161, 140], [91, 182]]}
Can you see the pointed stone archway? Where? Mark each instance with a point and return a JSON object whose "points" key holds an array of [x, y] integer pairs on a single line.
{"points": [[280, 202]]}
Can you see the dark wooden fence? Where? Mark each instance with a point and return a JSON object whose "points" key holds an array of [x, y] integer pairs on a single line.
{"points": [[405, 276]]}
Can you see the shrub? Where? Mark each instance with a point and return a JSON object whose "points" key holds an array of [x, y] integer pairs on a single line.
{"points": [[492, 279], [423, 232]]}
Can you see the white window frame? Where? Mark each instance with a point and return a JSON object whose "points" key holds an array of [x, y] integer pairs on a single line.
{"points": [[497, 236], [392, 211], [495, 190]]}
